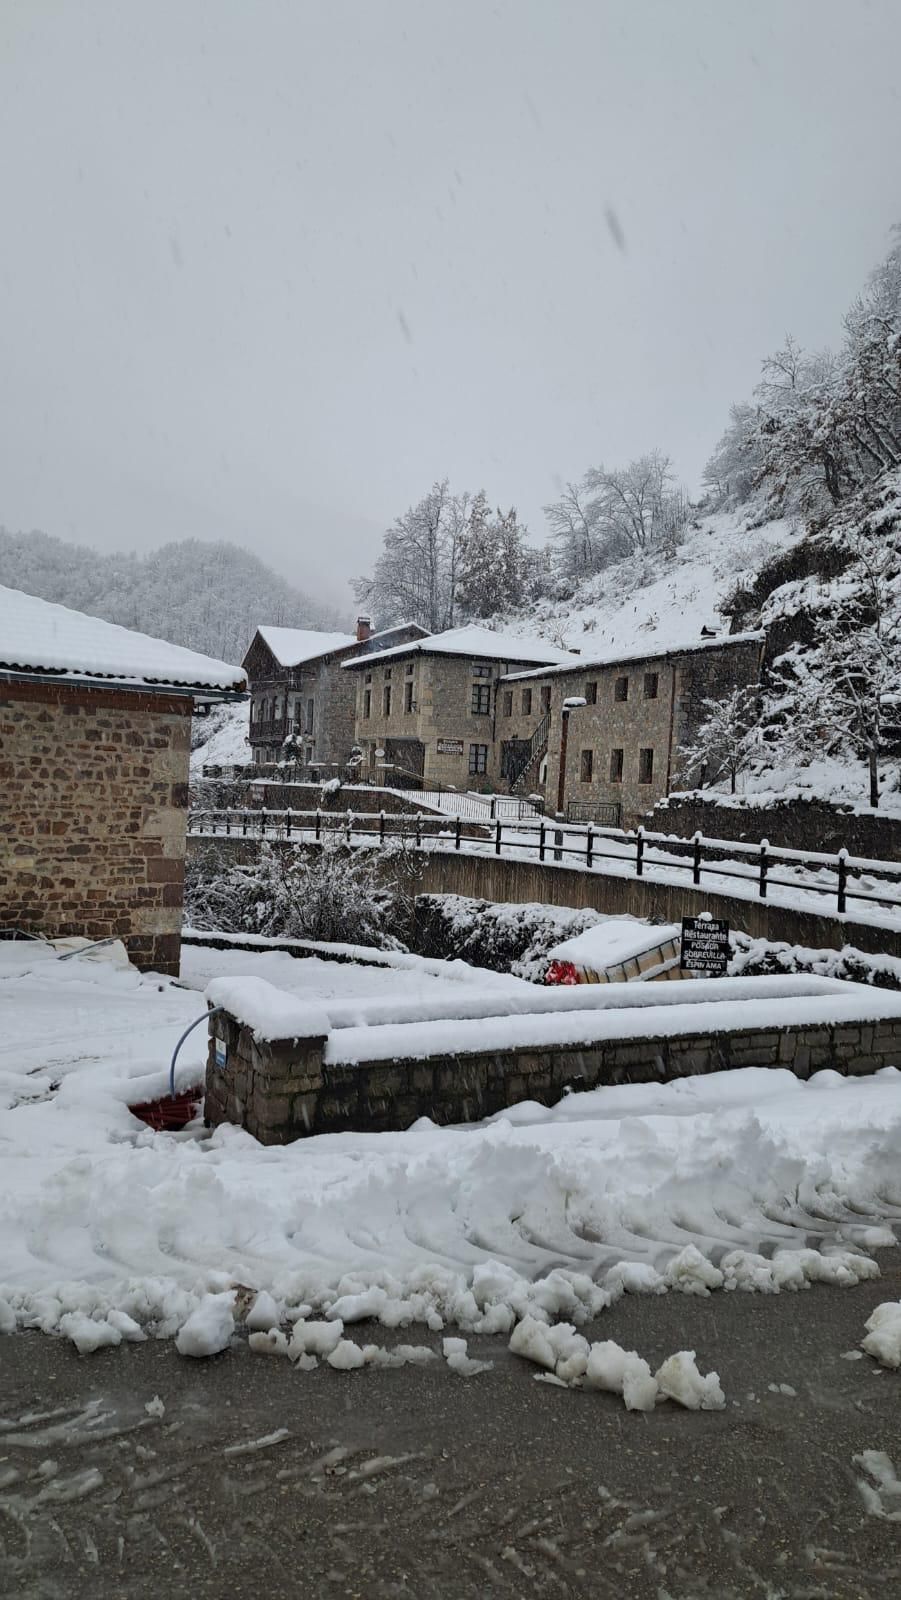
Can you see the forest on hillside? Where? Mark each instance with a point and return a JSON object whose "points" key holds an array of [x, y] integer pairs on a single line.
{"points": [[209, 597]]}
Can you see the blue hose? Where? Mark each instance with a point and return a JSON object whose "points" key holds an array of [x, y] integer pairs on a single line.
{"points": [[195, 1024]]}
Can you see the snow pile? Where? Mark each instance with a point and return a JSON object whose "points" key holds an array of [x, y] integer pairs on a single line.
{"points": [[744, 1180], [269, 1012], [883, 1338], [572, 1361], [209, 1328], [880, 1491]]}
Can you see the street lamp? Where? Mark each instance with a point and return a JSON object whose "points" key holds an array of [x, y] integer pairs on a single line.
{"points": [[572, 703]]}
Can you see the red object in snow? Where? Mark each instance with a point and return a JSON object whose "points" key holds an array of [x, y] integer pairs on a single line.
{"points": [[170, 1112], [562, 972]]}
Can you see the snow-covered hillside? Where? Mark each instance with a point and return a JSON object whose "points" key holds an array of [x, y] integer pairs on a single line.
{"points": [[220, 738], [663, 600]]}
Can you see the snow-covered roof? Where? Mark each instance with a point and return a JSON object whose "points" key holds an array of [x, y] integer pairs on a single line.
{"points": [[649, 651], [293, 646], [38, 637], [482, 643]]}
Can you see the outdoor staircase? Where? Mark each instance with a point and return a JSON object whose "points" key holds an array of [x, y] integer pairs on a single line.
{"points": [[523, 773]]}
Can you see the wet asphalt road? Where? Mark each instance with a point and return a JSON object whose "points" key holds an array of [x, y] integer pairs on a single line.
{"points": [[418, 1482]]}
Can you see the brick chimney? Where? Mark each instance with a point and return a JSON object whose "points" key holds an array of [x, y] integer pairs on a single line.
{"points": [[364, 629]]}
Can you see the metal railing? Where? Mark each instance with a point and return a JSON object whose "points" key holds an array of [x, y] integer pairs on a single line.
{"points": [[833, 880]]}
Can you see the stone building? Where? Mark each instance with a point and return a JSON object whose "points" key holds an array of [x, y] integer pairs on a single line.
{"points": [[298, 689], [95, 725], [427, 712], [620, 748]]}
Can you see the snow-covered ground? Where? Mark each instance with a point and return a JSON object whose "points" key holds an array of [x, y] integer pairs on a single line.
{"points": [[221, 738], [746, 1179]]}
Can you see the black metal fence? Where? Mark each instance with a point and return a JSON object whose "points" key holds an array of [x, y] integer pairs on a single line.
{"points": [[836, 879]]}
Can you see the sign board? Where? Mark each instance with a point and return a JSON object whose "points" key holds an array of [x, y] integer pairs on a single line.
{"points": [[450, 747], [705, 946], [221, 1054]]}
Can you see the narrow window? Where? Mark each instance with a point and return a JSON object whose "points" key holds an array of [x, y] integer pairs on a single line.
{"points": [[367, 702], [368, 678], [508, 702], [591, 693], [386, 700], [546, 697], [387, 672], [645, 766], [478, 759], [651, 685], [408, 695], [310, 709], [587, 765], [621, 689], [481, 669], [616, 766], [481, 699], [527, 702]]}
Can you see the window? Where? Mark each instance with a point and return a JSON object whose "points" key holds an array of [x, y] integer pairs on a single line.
{"points": [[481, 669], [621, 689], [546, 697], [508, 702], [527, 702], [387, 671], [408, 696], [591, 693], [368, 678], [651, 685], [310, 708], [587, 766], [645, 766], [386, 700], [367, 702], [481, 699], [409, 670], [616, 766], [478, 759]]}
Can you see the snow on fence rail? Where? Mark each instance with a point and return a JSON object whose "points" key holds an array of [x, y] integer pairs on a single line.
{"points": [[840, 878]]}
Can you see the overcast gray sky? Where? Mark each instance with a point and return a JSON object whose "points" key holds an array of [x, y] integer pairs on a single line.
{"points": [[270, 267]]}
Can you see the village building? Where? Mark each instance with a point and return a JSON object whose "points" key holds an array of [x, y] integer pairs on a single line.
{"points": [[298, 692], [602, 741], [95, 728], [427, 713]]}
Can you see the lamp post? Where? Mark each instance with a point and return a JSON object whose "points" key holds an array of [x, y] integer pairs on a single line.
{"points": [[572, 703]]}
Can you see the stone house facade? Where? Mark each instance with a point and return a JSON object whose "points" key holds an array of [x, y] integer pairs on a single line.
{"points": [[95, 725], [298, 689], [427, 712], [619, 753]]}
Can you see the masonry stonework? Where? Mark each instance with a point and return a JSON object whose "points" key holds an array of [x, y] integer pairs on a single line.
{"points": [[283, 1091], [92, 827]]}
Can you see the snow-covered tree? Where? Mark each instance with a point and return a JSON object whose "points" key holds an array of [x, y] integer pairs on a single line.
{"points": [[612, 513], [733, 471], [842, 693], [492, 565], [727, 742], [415, 577]]}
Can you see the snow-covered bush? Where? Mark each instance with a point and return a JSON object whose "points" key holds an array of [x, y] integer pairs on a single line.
{"points": [[760, 957], [498, 935], [336, 893]]}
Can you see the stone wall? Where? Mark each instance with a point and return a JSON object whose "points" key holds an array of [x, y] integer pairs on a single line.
{"points": [[283, 1091], [92, 827], [794, 824], [490, 877]]}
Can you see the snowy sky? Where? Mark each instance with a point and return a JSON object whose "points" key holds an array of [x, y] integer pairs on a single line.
{"points": [[271, 267]]}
